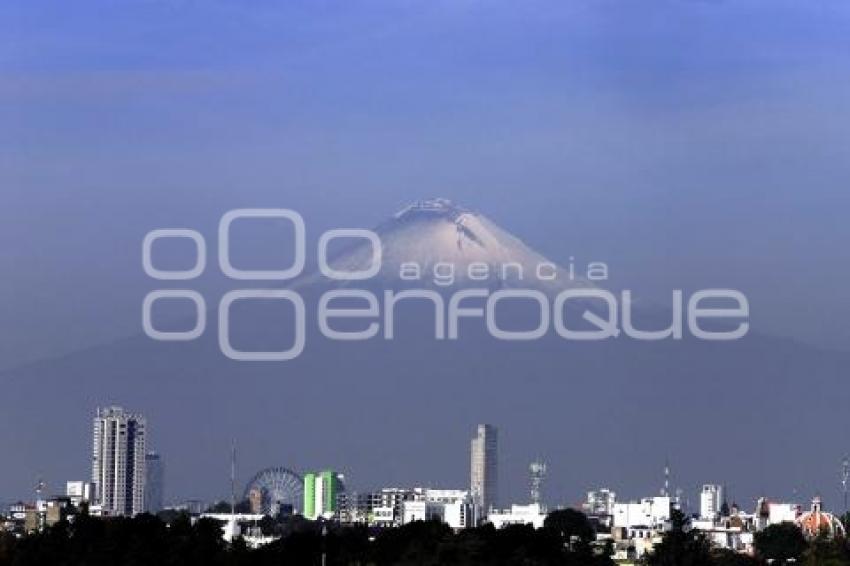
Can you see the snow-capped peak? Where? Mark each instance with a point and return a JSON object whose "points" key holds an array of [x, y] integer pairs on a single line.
{"points": [[438, 236], [435, 206]]}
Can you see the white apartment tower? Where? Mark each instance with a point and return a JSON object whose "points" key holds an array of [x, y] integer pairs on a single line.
{"points": [[484, 469], [118, 461], [710, 501]]}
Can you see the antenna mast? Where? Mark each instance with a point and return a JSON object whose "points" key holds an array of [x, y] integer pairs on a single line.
{"points": [[233, 478], [40, 488]]}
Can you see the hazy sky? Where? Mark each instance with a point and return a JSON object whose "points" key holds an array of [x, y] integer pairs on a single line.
{"points": [[686, 143]]}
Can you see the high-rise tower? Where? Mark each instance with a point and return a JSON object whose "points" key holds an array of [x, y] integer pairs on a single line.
{"points": [[484, 468], [154, 482], [537, 474], [118, 461]]}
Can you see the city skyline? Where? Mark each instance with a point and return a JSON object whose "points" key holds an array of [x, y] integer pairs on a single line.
{"points": [[119, 435], [128, 481]]}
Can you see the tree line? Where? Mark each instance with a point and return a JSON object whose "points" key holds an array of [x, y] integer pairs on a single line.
{"points": [[567, 538]]}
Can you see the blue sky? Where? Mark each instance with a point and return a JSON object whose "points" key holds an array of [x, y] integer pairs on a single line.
{"points": [[686, 143]]}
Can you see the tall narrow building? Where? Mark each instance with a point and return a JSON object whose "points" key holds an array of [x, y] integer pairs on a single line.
{"points": [[118, 461], [484, 483], [154, 483]]}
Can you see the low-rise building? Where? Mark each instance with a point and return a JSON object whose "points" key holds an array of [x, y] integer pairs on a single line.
{"points": [[382, 508], [79, 492], [533, 514], [600, 502], [451, 506], [45, 513], [244, 525], [648, 513]]}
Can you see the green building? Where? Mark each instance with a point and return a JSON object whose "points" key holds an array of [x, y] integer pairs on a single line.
{"points": [[320, 493], [310, 495]]}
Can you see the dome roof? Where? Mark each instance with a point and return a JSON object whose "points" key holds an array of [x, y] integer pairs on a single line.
{"points": [[817, 521]]}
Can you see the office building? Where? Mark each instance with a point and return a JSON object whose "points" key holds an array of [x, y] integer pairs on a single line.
{"points": [[484, 468], [154, 482]]}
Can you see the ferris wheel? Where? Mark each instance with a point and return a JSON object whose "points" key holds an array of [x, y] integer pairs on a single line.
{"points": [[274, 489]]}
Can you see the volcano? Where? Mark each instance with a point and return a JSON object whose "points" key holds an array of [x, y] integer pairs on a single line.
{"points": [[437, 243], [401, 411]]}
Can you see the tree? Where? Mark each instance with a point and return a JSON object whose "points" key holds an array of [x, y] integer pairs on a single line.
{"points": [[146, 540], [680, 546], [571, 535], [783, 542], [414, 543], [570, 526], [826, 551], [726, 557], [169, 516], [7, 548]]}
